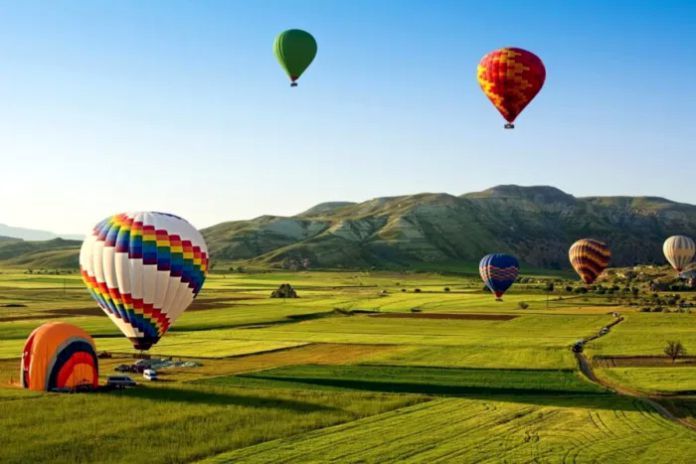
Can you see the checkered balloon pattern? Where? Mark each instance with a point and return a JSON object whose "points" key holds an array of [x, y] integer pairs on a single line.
{"points": [[511, 78]]}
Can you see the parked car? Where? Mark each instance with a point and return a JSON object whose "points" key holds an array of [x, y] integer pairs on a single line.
{"points": [[604, 331], [577, 348], [150, 374], [120, 381], [124, 368]]}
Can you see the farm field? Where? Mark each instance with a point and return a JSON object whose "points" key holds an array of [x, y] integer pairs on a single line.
{"points": [[355, 370]]}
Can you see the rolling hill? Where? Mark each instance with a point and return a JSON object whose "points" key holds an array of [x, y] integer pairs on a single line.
{"points": [[33, 234], [537, 224]]}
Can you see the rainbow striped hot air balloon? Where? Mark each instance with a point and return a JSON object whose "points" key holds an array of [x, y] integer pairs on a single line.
{"points": [[679, 251], [144, 269], [589, 258], [499, 272]]}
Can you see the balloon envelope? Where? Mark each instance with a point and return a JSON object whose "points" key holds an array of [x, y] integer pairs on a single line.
{"points": [[679, 251], [295, 50], [59, 355], [511, 78], [589, 258], [144, 269], [499, 272]]}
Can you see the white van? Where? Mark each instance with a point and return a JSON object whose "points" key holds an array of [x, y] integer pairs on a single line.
{"points": [[150, 374]]}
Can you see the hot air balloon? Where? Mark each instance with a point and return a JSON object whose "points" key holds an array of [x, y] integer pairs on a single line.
{"points": [[499, 272], [59, 356], [589, 258], [144, 269], [511, 78], [295, 49], [679, 251]]}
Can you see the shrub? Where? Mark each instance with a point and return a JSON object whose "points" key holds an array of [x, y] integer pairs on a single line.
{"points": [[523, 305], [447, 289], [417, 290]]}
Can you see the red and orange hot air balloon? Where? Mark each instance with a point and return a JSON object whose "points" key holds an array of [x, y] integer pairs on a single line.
{"points": [[589, 258], [511, 78]]}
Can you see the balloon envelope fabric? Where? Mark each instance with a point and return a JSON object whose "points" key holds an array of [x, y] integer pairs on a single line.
{"points": [[589, 258], [59, 355], [679, 251], [144, 269], [295, 50], [499, 272], [511, 78]]}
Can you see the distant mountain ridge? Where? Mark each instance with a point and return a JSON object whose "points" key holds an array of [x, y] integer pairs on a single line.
{"points": [[537, 224], [33, 234]]}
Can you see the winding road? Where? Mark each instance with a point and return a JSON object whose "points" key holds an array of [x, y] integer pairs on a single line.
{"points": [[585, 367]]}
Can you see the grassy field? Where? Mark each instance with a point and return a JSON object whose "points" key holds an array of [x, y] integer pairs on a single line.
{"points": [[324, 377]]}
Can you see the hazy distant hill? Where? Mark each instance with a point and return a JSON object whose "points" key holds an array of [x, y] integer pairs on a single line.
{"points": [[537, 224], [33, 234], [56, 253]]}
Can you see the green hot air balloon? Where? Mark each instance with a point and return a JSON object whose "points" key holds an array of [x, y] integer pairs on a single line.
{"points": [[295, 50]]}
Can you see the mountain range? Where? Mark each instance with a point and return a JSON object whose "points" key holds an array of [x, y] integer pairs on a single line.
{"points": [[33, 234], [537, 224]]}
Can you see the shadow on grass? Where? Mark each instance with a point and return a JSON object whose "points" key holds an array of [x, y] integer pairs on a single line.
{"points": [[217, 398], [541, 397], [426, 388]]}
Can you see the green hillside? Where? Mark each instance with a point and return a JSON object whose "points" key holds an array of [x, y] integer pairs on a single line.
{"points": [[434, 231], [56, 253], [538, 224]]}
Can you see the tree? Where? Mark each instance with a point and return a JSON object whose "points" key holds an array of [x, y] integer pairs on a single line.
{"points": [[523, 305], [675, 349]]}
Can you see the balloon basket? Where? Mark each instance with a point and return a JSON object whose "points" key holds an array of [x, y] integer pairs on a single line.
{"points": [[509, 126], [294, 84], [500, 300]]}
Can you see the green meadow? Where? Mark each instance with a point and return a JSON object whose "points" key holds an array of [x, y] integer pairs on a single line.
{"points": [[363, 367]]}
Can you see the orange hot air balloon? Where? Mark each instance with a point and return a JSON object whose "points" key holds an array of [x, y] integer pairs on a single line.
{"points": [[589, 258], [511, 78]]}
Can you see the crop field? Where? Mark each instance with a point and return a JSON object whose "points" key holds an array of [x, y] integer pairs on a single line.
{"points": [[362, 367]]}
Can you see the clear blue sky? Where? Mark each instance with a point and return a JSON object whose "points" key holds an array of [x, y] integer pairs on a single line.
{"points": [[180, 105]]}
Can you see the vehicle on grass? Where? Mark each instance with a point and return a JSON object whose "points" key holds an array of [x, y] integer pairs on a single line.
{"points": [[150, 374], [578, 346], [120, 381], [140, 365], [124, 368], [604, 331]]}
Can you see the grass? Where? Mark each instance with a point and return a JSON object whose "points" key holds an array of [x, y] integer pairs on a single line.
{"points": [[177, 423], [426, 380], [653, 379], [647, 334], [478, 430], [295, 381]]}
